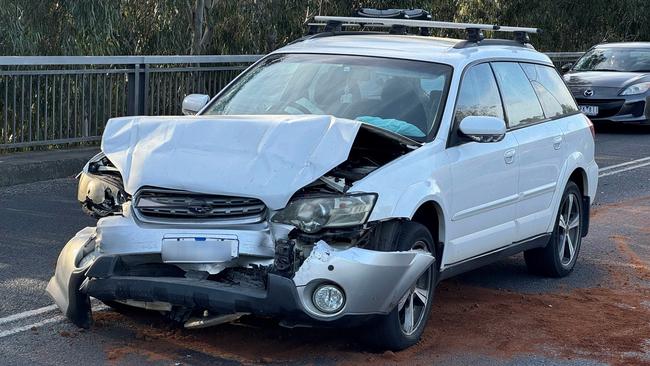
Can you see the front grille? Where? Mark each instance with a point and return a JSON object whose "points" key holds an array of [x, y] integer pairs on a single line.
{"points": [[182, 205]]}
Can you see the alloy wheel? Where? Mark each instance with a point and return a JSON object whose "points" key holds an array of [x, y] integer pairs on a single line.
{"points": [[412, 307], [569, 229]]}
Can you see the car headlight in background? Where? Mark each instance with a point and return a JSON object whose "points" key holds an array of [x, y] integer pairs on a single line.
{"points": [[313, 214], [634, 89]]}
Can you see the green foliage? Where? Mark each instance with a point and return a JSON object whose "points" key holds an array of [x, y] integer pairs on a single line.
{"points": [[136, 27]]}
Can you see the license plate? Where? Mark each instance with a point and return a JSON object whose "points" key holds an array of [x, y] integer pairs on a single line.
{"points": [[199, 248], [589, 110]]}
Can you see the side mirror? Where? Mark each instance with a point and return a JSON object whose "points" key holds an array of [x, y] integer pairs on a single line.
{"points": [[483, 128], [566, 67], [193, 103]]}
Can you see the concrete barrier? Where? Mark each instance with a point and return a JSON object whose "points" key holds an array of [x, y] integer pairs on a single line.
{"points": [[27, 167]]}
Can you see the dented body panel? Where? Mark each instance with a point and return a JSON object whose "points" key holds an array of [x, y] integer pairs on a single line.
{"points": [[250, 156]]}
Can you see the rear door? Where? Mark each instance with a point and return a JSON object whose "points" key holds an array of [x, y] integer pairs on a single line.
{"points": [[532, 113]]}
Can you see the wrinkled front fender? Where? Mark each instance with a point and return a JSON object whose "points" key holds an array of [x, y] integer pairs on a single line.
{"points": [[63, 287]]}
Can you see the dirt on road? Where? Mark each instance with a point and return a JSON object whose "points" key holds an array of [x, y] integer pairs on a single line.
{"points": [[609, 322]]}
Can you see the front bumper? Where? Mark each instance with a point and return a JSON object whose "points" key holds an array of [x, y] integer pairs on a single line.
{"points": [[373, 283], [633, 109]]}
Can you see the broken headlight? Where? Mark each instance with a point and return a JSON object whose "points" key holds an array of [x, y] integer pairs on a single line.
{"points": [[313, 214], [100, 191]]}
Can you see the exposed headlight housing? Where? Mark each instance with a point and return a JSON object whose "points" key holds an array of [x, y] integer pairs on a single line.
{"points": [[313, 214], [100, 191], [634, 89]]}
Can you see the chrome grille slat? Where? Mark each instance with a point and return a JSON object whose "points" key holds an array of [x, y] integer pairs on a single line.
{"points": [[159, 204]]}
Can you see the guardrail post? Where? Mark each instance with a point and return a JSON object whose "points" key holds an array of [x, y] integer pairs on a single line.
{"points": [[136, 97]]}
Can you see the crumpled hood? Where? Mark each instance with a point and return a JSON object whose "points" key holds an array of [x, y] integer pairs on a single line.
{"points": [[264, 157]]}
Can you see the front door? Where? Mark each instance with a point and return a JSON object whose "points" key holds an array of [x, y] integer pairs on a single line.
{"points": [[484, 176]]}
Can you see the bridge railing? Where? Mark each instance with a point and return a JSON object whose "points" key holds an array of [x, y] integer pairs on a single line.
{"points": [[61, 100]]}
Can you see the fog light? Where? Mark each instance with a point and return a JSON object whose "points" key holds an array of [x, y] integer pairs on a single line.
{"points": [[328, 298]]}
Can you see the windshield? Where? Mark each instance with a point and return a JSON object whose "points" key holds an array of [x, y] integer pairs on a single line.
{"points": [[615, 59], [398, 95]]}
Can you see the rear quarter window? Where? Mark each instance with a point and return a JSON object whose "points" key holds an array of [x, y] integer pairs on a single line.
{"points": [[555, 98]]}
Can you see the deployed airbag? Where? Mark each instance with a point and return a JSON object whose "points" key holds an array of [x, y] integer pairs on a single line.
{"points": [[264, 157]]}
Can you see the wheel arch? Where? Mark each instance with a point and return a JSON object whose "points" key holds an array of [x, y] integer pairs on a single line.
{"points": [[579, 177], [430, 214]]}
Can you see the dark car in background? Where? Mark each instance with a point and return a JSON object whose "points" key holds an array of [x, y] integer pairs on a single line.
{"points": [[611, 82]]}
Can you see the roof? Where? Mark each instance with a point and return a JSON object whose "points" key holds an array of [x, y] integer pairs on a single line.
{"points": [[624, 45], [421, 48]]}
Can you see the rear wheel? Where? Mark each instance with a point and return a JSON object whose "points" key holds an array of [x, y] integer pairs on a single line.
{"points": [[559, 257], [404, 325]]}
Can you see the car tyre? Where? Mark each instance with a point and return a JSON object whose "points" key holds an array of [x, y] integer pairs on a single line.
{"points": [[404, 325], [559, 256]]}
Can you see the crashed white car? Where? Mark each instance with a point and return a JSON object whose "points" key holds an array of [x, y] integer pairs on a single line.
{"points": [[335, 183]]}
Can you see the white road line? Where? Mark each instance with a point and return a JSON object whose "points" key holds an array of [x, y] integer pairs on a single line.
{"points": [[27, 314], [13, 331], [607, 173], [35, 312], [610, 167]]}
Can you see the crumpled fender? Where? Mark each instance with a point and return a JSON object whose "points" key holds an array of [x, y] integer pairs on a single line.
{"points": [[64, 286], [374, 281]]}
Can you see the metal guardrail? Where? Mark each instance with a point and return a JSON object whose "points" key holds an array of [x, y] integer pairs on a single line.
{"points": [[561, 58], [55, 100]]}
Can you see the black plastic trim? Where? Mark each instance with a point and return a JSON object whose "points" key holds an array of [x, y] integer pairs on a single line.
{"points": [[279, 299], [481, 260], [586, 207]]}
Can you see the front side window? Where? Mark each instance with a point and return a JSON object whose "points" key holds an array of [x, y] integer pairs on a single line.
{"points": [[615, 59], [553, 94], [478, 94], [402, 96], [519, 98]]}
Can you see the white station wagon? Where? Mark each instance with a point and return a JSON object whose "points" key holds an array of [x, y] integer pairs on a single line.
{"points": [[336, 182]]}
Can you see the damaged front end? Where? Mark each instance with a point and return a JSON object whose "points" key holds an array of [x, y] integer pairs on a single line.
{"points": [[204, 257]]}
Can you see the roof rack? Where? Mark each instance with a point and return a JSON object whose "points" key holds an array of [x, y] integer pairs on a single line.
{"points": [[399, 26]]}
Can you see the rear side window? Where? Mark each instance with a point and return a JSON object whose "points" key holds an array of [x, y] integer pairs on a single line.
{"points": [[478, 95], [519, 98], [551, 90]]}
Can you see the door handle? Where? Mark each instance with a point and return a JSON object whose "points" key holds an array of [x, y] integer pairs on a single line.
{"points": [[557, 141], [509, 156]]}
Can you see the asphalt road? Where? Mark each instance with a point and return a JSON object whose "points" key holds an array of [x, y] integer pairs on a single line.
{"points": [[37, 219]]}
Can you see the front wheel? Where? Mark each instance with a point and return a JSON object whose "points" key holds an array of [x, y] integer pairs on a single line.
{"points": [[559, 256], [404, 325]]}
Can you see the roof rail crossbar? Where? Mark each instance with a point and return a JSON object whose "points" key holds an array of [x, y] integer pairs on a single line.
{"points": [[474, 35], [398, 29], [333, 26], [474, 31]]}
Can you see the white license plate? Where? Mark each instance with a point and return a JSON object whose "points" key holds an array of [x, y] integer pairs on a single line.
{"points": [[589, 110], [199, 248]]}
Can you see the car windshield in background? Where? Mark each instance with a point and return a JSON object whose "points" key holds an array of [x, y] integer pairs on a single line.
{"points": [[398, 95], [615, 59]]}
